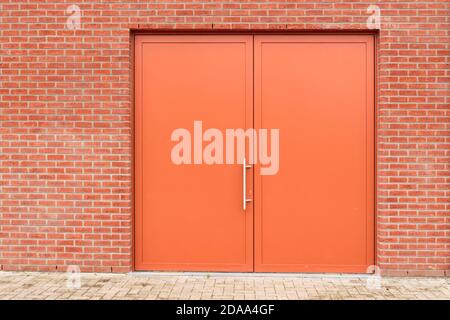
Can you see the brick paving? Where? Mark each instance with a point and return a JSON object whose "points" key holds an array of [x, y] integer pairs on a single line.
{"points": [[94, 286]]}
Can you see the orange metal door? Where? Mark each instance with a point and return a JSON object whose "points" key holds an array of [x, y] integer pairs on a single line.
{"points": [[190, 217], [316, 214]]}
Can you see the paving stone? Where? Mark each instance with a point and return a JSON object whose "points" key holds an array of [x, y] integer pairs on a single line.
{"points": [[50, 286]]}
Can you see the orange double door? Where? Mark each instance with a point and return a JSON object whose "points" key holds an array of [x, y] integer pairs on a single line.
{"points": [[316, 214]]}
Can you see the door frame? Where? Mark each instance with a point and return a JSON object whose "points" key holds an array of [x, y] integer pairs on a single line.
{"points": [[136, 31]]}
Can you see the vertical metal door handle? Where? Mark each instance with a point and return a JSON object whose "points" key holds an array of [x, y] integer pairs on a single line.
{"points": [[244, 184]]}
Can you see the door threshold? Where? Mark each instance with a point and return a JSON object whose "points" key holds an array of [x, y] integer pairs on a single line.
{"points": [[249, 274]]}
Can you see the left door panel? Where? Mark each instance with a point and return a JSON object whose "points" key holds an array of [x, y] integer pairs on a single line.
{"points": [[189, 217]]}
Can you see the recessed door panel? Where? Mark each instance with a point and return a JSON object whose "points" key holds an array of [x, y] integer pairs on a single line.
{"points": [[190, 217], [316, 213]]}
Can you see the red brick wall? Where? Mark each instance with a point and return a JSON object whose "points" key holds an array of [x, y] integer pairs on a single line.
{"points": [[66, 119]]}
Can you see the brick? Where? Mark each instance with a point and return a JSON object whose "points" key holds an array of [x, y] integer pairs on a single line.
{"points": [[66, 126]]}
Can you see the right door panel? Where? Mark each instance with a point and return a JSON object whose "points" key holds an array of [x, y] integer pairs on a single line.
{"points": [[316, 213]]}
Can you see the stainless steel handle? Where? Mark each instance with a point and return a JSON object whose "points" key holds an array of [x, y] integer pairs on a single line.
{"points": [[244, 184]]}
